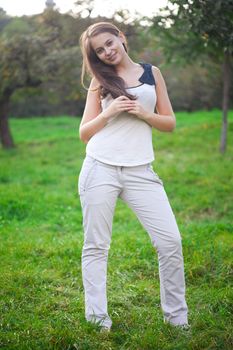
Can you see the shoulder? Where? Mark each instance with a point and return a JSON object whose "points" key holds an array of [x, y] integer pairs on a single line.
{"points": [[94, 85], [161, 84], [156, 73]]}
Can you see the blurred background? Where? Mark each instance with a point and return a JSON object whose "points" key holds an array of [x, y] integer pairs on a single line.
{"points": [[40, 61], [41, 156]]}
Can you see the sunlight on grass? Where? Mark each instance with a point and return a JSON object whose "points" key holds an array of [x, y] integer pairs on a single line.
{"points": [[42, 301]]}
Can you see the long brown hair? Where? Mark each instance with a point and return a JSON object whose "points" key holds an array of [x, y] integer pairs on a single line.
{"points": [[106, 74]]}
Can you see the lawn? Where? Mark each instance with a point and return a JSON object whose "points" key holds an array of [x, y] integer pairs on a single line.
{"points": [[42, 300]]}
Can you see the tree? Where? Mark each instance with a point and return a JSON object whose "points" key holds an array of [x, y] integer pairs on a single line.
{"points": [[194, 28], [4, 19], [23, 62], [29, 59], [43, 50]]}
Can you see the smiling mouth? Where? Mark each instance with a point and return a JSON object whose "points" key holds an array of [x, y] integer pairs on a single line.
{"points": [[112, 57]]}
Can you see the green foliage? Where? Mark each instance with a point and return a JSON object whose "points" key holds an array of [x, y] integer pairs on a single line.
{"points": [[191, 28], [4, 19], [212, 21], [17, 26], [42, 300], [38, 50], [42, 52]]}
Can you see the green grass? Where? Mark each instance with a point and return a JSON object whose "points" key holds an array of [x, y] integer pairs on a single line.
{"points": [[42, 301]]}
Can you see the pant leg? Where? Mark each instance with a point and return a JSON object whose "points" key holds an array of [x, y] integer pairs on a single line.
{"points": [[98, 191], [145, 195]]}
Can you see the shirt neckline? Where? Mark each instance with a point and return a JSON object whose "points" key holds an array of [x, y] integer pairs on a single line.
{"points": [[133, 87]]}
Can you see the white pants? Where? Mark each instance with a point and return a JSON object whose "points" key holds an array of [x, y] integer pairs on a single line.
{"points": [[99, 186]]}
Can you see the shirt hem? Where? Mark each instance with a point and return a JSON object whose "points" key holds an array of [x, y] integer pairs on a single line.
{"points": [[145, 161]]}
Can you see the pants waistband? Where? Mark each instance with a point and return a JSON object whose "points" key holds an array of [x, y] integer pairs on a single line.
{"points": [[117, 166]]}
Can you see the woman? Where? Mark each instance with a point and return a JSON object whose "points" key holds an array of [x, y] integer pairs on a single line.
{"points": [[117, 128]]}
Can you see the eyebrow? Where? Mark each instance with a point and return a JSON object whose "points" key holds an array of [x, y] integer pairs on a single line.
{"points": [[104, 44]]}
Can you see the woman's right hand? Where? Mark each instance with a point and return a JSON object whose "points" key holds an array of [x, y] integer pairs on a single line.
{"points": [[118, 105]]}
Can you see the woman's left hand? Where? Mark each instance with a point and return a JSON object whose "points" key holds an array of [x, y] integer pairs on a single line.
{"points": [[137, 110]]}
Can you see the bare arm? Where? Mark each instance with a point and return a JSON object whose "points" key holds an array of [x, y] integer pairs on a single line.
{"points": [[165, 119], [93, 120]]}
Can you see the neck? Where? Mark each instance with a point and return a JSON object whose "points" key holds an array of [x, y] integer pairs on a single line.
{"points": [[124, 65]]}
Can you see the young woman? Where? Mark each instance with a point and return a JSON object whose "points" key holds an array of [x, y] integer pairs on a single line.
{"points": [[117, 127]]}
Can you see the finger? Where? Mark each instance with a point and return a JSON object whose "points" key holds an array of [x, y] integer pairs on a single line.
{"points": [[122, 98], [128, 106], [127, 103], [124, 108]]}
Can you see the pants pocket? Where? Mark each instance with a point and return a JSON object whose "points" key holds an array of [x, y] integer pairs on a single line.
{"points": [[85, 174], [155, 176]]}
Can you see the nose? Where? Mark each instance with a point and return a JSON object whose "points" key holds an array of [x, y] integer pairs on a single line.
{"points": [[107, 51]]}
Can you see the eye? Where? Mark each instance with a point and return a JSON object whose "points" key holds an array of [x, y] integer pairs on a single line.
{"points": [[109, 43], [99, 51]]}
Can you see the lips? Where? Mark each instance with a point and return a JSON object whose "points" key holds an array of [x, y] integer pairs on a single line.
{"points": [[112, 57]]}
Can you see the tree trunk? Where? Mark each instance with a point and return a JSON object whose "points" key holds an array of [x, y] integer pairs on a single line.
{"points": [[226, 92], [5, 133]]}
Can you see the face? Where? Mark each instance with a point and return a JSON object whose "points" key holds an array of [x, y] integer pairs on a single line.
{"points": [[108, 47]]}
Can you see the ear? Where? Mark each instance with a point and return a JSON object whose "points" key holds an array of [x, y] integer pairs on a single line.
{"points": [[122, 37]]}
